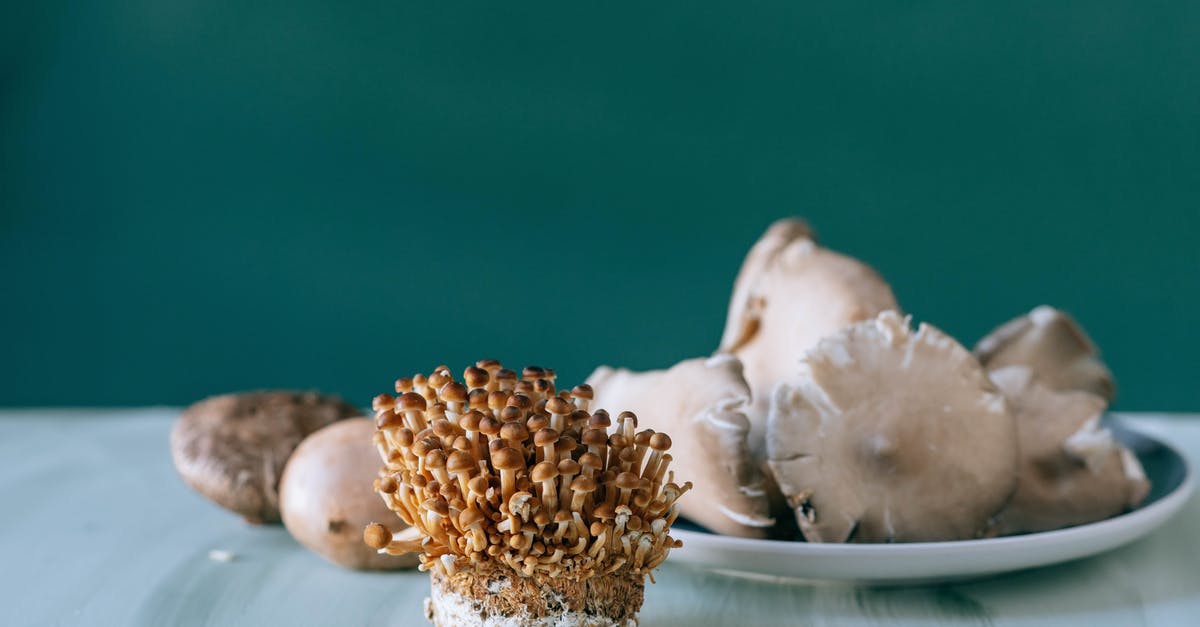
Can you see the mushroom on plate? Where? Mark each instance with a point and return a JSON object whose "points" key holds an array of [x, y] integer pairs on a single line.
{"points": [[1072, 470], [1053, 346], [891, 435], [790, 293], [232, 448], [702, 403]]}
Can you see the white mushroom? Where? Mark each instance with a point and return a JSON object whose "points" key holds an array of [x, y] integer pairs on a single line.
{"points": [[1054, 346], [1072, 471], [701, 403], [892, 436], [790, 293]]}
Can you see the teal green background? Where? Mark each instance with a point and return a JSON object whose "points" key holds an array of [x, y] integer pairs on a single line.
{"points": [[198, 197]]}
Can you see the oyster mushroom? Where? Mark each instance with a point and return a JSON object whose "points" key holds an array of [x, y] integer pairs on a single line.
{"points": [[232, 448], [1054, 346], [701, 402], [1072, 471], [891, 435], [790, 293]]}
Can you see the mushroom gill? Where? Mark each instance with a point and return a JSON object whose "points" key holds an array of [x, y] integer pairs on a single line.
{"points": [[891, 435]]}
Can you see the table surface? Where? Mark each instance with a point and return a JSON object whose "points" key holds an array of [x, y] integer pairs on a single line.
{"points": [[98, 530]]}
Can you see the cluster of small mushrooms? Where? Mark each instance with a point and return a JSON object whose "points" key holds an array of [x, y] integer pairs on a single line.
{"points": [[829, 415], [513, 481], [822, 415]]}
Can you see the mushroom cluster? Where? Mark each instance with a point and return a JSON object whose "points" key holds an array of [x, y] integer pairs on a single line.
{"points": [[828, 410], [509, 480]]}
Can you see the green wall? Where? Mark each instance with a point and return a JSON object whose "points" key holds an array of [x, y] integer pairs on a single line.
{"points": [[197, 197]]}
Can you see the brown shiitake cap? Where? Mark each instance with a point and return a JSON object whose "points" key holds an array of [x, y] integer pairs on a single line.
{"points": [[505, 375], [461, 461], [377, 536], [478, 485], [543, 387], [405, 437], [595, 437], [563, 516], [419, 380], [232, 448], [422, 446], [544, 471], [453, 392], [470, 421], [618, 441], [642, 438], [569, 467], [411, 401], [627, 416], [437, 506], [557, 405], [545, 437], [403, 385], [533, 372], [462, 443], [660, 441], [583, 390], [508, 459], [475, 377]]}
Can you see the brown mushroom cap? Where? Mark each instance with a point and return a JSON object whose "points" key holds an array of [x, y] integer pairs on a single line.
{"points": [[892, 435], [326, 497], [232, 448], [1072, 470], [1051, 344], [701, 403], [789, 294]]}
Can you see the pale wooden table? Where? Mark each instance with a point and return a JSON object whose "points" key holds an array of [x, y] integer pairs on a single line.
{"points": [[96, 529]]}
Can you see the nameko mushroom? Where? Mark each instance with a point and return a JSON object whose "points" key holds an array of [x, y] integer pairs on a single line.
{"points": [[790, 293], [703, 403], [891, 435], [531, 509]]}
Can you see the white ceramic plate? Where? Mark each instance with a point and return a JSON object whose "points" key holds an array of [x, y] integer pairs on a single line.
{"points": [[1171, 485]]}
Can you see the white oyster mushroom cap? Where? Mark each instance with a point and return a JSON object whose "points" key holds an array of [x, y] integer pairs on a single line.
{"points": [[790, 293], [1054, 346], [701, 404], [891, 435], [1072, 471]]}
